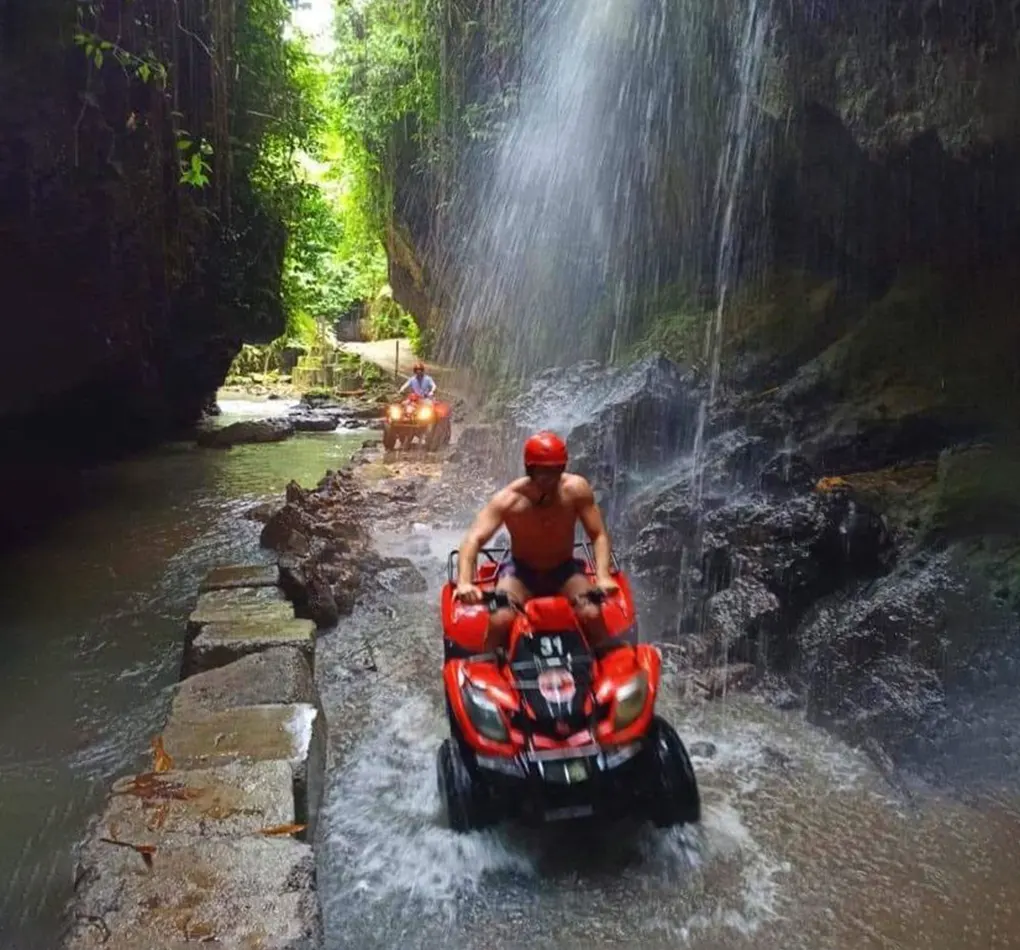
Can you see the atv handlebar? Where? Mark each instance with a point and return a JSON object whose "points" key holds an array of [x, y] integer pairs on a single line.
{"points": [[501, 600]]}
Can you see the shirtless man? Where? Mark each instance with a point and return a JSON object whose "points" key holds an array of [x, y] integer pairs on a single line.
{"points": [[540, 512]]}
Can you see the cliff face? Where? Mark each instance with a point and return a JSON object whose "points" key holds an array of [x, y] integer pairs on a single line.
{"points": [[126, 293]]}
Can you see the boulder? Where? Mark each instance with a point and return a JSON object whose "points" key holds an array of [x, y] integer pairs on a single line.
{"points": [[638, 416], [315, 421], [743, 616], [238, 433]]}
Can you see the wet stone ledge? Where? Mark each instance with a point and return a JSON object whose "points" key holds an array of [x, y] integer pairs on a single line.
{"points": [[213, 844]]}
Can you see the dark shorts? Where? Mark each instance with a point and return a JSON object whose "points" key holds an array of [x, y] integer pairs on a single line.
{"points": [[542, 583]]}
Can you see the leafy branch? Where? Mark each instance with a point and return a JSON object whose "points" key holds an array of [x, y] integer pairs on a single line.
{"points": [[96, 50]]}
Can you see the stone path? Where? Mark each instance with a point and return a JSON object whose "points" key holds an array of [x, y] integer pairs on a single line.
{"points": [[212, 843]]}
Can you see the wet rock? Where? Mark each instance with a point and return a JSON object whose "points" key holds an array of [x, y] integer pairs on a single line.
{"points": [[745, 611], [220, 643], [276, 675], [292, 733], [252, 891], [786, 474], [309, 588], [876, 661], [238, 433], [702, 750], [241, 575], [318, 421], [399, 576], [720, 680], [287, 531], [261, 512], [260, 604], [643, 414], [233, 801], [319, 400]]}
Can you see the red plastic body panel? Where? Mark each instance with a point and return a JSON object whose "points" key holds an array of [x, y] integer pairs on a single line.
{"points": [[467, 625]]}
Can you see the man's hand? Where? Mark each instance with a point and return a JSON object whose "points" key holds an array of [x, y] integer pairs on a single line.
{"points": [[468, 594], [607, 584]]}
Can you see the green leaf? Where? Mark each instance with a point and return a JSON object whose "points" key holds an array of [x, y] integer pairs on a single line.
{"points": [[98, 57], [183, 144], [144, 72]]}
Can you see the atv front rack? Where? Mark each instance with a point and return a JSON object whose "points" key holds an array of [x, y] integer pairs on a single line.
{"points": [[583, 550]]}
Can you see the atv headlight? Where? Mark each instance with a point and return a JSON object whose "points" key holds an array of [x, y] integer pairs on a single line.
{"points": [[394, 413], [485, 714], [630, 700], [425, 413]]}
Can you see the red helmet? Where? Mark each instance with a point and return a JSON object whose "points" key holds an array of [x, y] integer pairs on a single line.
{"points": [[419, 367], [545, 450]]}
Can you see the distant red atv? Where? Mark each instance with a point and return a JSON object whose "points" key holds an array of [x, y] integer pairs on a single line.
{"points": [[550, 730], [415, 417]]}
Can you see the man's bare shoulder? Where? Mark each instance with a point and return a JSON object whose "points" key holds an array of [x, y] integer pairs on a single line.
{"points": [[508, 496], [577, 488]]}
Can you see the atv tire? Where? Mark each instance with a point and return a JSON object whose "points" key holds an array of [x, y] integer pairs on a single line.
{"points": [[433, 438], [464, 801], [673, 785], [389, 439]]}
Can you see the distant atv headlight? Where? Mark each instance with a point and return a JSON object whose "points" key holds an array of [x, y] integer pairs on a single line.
{"points": [[630, 700], [394, 413], [484, 713], [425, 413]]}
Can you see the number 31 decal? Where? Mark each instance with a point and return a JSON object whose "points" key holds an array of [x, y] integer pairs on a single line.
{"points": [[551, 646]]}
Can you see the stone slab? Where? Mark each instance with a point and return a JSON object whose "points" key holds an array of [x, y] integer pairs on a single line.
{"points": [[160, 809], [216, 644], [293, 733], [239, 893], [223, 606], [278, 675], [240, 575]]}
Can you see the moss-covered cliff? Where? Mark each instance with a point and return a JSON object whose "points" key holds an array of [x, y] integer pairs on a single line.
{"points": [[137, 251]]}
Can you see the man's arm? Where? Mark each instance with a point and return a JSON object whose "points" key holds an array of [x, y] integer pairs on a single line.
{"points": [[484, 527], [591, 517], [406, 384]]}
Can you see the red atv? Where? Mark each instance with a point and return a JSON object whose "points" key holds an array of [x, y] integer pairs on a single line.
{"points": [[415, 417], [548, 729]]}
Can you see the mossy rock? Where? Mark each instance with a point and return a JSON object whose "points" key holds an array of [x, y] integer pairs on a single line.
{"points": [[978, 493]]}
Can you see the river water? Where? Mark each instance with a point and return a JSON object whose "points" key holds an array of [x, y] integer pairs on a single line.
{"points": [[93, 622]]}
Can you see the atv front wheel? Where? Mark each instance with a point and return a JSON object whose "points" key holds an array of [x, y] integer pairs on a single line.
{"points": [[389, 439], [463, 800], [673, 785]]}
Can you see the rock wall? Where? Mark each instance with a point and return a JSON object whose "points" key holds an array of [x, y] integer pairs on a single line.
{"points": [[127, 294]]}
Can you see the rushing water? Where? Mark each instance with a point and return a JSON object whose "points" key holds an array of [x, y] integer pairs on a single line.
{"points": [[93, 621]]}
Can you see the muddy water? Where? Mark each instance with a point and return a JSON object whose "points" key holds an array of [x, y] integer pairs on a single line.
{"points": [[93, 618], [803, 844]]}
